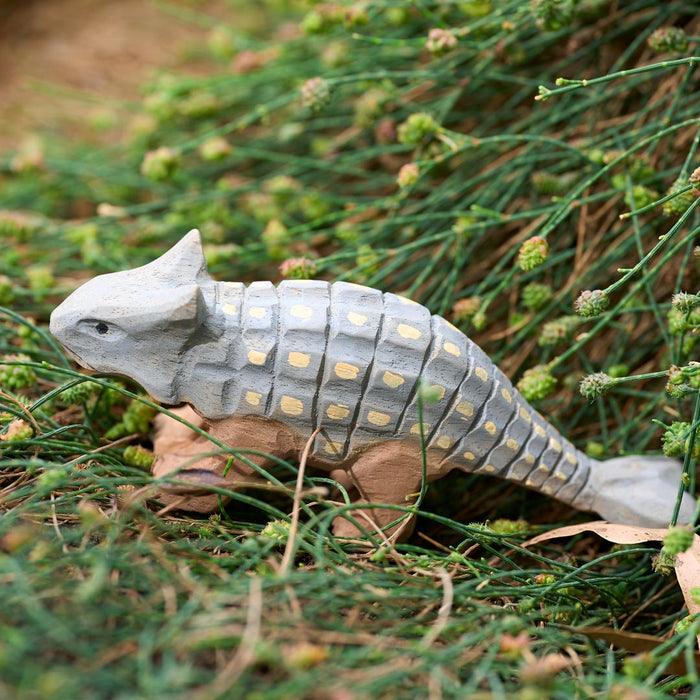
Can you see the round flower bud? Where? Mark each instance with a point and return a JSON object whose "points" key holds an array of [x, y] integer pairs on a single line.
{"points": [[682, 199], [668, 39], [663, 562], [160, 164], [440, 41], [591, 302], [551, 15], [298, 268], [417, 128], [464, 309], [215, 148], [682, 301], [533, 252], [536, 383], [595, 384], [16, 376], [315, 94], [137, 456], [694, 178], [276, 531], [557, 330], [536, 296], [408, 175], [678, 391], [675, 440], [17, 430], [678, 540]]}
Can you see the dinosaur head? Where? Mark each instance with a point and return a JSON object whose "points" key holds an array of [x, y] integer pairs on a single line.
{"points": [[138, 323]]}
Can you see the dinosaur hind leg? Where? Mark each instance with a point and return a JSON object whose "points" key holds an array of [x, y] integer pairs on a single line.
{"points": [[387, 473]]}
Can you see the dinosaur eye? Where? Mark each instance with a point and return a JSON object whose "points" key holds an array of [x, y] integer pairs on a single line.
{"points": [[101, 328]]}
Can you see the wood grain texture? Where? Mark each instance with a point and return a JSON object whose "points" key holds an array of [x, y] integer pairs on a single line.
{"points": [[375, 372]]}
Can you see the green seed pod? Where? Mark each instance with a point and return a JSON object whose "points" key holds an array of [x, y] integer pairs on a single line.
{"points": [[533, 252], [557, 330], [316, 94], [137, 456], [677, 540], [408, 175], [298, 268], [595, 385], [160, 164], [417, 128], [536, 296], [537, 383], [591, 302], [668, 40], [682, 199]]}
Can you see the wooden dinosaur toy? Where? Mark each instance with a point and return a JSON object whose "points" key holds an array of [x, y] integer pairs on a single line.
{"points": [[265, 366]]}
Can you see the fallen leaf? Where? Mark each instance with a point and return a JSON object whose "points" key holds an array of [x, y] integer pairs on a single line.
{"points": [[637, 643], [687, 564], [613, 532]]}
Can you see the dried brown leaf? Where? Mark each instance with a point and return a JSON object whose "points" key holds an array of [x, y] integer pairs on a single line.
{"points": [[687, 565]]}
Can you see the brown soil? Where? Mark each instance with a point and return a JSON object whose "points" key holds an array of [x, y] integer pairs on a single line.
{"points": [[61, 61]]}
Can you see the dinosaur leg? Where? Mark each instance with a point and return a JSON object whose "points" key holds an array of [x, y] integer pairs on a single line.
{"points": [[389, 473], [196, 460]]}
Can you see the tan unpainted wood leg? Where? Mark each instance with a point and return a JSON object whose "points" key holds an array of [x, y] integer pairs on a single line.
{"points": [[389, 472], [179, 451]]}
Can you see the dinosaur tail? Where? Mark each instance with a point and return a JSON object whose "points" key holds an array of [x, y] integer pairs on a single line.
{"points": [[635, 490]]}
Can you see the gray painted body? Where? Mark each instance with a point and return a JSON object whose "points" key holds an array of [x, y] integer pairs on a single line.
{"points": [[344, 358]]}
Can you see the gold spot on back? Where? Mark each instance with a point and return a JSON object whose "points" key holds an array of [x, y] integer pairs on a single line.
{"points": [[377, 418], [543, 468], [571, 458], [490, 427], [465, 408], [444, 442], [337, 411], [540, 430], [560, 476], [356, 319], [304, 312], [230, 309], [469, 455], [253, 398], [525, 415], [555, 444], [481, 373], [452, 349], [438, 390], [512, 444], [392, 380], [506, 395], [529, 458], [257, 311], [291, 406], [489, 468], [406, 300], [299, 359], [346, 371], [332, 448], [406, 331], [415, 428], [255, 357]]}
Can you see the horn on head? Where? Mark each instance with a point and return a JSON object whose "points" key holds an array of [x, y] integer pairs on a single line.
{"points": [[184, 261]]}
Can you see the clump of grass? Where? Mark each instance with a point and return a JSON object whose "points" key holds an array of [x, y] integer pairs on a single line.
{"points": [[399, 146]]}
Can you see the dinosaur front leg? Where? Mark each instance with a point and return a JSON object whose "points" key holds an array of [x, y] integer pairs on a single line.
{"points": [[195, 459], [389, 472]]}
